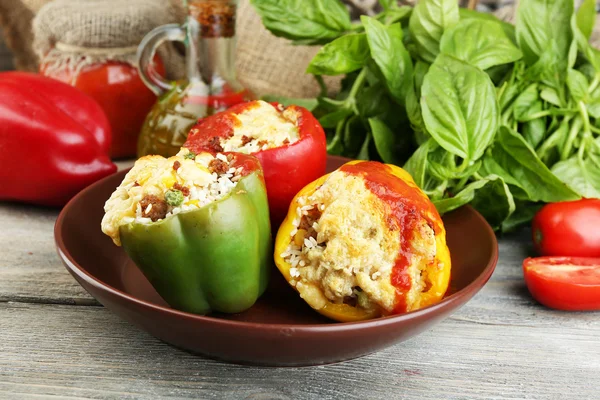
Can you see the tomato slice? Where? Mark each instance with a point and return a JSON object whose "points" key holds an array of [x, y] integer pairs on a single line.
{"points": [[564, 283]]}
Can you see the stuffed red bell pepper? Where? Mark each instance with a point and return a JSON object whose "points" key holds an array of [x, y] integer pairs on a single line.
{"points": [[288, 141], [54, 140]]}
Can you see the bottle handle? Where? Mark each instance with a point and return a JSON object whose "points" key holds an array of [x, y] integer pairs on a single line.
{"points": [[146, 51]]}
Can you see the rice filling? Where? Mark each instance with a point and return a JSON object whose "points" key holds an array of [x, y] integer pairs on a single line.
{"points": [[343, 249], [157, 188], [262, 127]]}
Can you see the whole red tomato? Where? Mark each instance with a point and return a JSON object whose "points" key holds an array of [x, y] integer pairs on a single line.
{"points": [[117, 87], [564, 283], [570, 228]]}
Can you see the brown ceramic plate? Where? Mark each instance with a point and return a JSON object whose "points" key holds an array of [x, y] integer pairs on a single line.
{"points": [[280, 329]]}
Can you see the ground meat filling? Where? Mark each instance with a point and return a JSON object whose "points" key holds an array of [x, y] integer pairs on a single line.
{"points": [[183, 189], [218, 166], [153, 207], [308, 220], [246, 140], [214, 143]]}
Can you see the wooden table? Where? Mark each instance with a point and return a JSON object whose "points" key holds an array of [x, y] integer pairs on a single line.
{"points": [[55, 340]]}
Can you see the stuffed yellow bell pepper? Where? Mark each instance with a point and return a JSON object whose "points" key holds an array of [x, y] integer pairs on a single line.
{"points": [[363, 242]]}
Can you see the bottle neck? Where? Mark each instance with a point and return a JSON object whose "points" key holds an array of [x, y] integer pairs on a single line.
{"points": [[211, 43]]}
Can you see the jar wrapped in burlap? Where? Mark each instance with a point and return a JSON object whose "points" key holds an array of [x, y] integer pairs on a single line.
{"points": [[73, 34]]}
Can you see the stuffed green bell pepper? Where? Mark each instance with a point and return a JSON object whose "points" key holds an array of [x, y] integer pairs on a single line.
{"points": [[197, 226]]}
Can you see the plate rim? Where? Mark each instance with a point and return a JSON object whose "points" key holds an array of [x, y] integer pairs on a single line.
{"points": [[73, 267]]}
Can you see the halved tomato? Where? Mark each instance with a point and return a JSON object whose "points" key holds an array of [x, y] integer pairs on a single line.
{"points": [[564, 283]]}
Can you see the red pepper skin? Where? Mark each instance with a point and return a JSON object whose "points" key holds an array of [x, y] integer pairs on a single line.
{"points": [[54, 140], [287, 169]]}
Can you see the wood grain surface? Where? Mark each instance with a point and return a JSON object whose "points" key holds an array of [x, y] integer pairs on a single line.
{"points": [[56, 341]]}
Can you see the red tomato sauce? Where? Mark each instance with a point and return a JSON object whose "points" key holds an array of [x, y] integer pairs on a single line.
{"points": [[407, 205], [221, 125], [248, 163]]}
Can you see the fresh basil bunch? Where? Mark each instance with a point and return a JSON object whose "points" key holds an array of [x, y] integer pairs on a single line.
{"points": [[480, 112]]}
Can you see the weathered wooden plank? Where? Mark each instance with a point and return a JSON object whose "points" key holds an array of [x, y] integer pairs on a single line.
{"points": [[30, 270], [88, 352]]}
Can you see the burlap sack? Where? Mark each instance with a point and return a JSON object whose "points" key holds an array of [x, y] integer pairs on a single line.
{"points": [[73, 34], [15, 20]]}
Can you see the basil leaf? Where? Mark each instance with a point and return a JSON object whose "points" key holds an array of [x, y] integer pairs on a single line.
{"points": [[491, 167], [304, 21], [345, 54], [550, 95], [442, 171], [466, 13], [420, 70], [413, 109], [540, 22], [459, 107], [534, 130], [518, 159], [549, 69], [578, 84], [412, 104], [494, 201], [507, 94], [581, 175], [372, 101], [522, 106], [332, 119], [499, 73], [593, 105], [509, 29], [490, 196], [388, 4], [583, 44], [427, 24], [385, 141], [416, 165], [479, 42], [524, 213], [388, 52], [393, 15], [364, 150], [586, 17], [309, 104], [354, 135]]}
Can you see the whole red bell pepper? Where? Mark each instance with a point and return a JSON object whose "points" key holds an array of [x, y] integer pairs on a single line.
{"points": [[287, 168], [54, 140]]}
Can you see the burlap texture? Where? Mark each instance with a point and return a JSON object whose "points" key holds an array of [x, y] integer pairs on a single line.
{"points": [[15, 20], [72, 34], [267, 64]]}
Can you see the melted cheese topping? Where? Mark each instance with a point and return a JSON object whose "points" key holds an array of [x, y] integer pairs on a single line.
{"points": [[348, 251], [262, 127], [155, 176]]}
